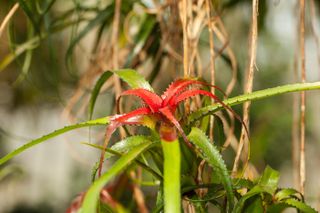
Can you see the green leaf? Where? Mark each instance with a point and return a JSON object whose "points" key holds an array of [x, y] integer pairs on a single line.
{"points": [[33, 43], [30, 14], [269, 180], [171, 176], [27, 60], [129, 143], [92, 196], [124, 146], [141, 38], [266, 184], [28, 45], [102, 16], [285, 193], [100, 121], [211, 154], [300, 205], [252, 97], [277, 208], [256, 190], [255, 205], [95, 92], [159, 203], [133, 78], [240, 183]]}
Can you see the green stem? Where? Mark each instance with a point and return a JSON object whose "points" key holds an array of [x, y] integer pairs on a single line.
{"points": [[171, 176]]}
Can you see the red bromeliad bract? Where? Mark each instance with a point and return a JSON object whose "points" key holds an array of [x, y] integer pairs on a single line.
{"points": [[160, 108]]}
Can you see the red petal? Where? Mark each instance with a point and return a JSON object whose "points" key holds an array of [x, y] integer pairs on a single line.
{"points": [[151, 99], [76, 203], [133, 117], [191, 93], [129, 118], [168, 114], [179, 86]]}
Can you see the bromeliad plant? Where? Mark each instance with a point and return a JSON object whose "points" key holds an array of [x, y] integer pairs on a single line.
{"points": [[172, 163], [161, 110]]}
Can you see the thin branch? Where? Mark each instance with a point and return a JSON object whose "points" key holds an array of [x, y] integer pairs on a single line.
{"points": [[212, 60], [249, 83], [295, 128], [115, 54], [8, 17], [303, 95], [138, 195], [224, 39], [184, 20]]}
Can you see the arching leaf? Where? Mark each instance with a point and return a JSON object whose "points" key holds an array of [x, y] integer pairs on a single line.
{"points": [[92, 196], [95, 92], [134, 79], [252, 97], [211, 154], [300, 205], [100, 121]]}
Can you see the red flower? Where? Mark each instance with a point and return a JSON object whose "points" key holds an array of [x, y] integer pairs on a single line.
{"points": [[160, 108]]}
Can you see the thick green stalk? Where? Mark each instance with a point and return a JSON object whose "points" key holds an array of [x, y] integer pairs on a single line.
{"points": [[171, 176]]}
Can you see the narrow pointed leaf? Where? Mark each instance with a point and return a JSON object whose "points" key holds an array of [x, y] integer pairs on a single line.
{"points": [[252, 97], [149, 98], [256, 190], [129, 143], [134, 79], [300, 205], [95, 92], [285, 193], [92, 196], [102, 16], [267, 184], [100, 121], [30, 14], [269, 180], [141, 38], [211, 154], [126, 145]]}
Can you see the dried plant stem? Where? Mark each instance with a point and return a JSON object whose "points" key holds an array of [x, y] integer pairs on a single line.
{"points": [[115, 55], [302, 94], [249, 83], [8, 17], [184, 20], [223, 36], [295, 128], [212, 61], [114, 41], [138, 195]]}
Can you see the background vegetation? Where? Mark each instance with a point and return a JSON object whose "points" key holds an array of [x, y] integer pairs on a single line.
{"points": [[53, 52]]}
